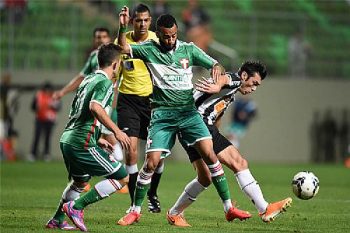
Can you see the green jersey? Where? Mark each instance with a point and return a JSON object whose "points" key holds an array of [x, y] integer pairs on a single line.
{"points": [[172, 71], [83, 129], [91, 65]]}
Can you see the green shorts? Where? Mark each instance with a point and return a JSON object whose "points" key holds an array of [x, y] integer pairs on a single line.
{"points": [[82, 164], [166, 124]]}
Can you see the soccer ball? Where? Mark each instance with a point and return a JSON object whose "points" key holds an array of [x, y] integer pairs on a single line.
{"points": [[305, 185]]}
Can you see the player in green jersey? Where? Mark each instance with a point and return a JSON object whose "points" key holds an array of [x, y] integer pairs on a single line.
{"points": [[101, 36], [173, 110], [83, 150]]}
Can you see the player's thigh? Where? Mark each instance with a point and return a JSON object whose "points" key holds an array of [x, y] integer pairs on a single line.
{"points": [[193, 129], [161, 133], [94, 162], [191, 152]]}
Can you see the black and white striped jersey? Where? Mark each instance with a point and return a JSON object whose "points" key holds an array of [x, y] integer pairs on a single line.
{"points": [[213, 106]]}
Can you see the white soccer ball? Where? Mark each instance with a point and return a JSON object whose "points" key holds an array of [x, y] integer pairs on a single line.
{"points": [[305, 185]]}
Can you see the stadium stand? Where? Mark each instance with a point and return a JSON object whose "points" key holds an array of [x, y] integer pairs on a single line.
{"points": [[255, 29]]}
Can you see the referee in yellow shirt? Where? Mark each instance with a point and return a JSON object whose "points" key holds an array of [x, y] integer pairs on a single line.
{"points": [[133, 105]]}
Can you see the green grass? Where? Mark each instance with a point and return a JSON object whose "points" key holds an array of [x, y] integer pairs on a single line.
{"points": [[30, 193]]}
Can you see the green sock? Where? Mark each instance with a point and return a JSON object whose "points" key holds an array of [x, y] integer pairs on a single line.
{"points": [[140, 193], [221, 186], [59, 215], [90, 197]]}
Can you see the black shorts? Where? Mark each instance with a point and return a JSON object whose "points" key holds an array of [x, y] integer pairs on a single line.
{"points": [[134, 113], [219, 144]]}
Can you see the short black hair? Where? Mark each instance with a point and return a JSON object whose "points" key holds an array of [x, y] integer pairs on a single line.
{"points": [[140, 8], [100, 29], [107, 54], [165, 20], [252, 67]]}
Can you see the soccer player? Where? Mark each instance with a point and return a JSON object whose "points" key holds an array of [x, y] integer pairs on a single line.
{"points": [[212, 100], [101, 36], [83, 151], [133, 106], [173, 111]]}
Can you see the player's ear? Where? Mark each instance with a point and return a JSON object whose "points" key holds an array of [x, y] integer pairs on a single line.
{"points": [[244, 76]]}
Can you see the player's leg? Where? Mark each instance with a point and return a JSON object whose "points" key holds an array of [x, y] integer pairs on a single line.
{"points": [[231, 157], [98, 163], [175, 215], [142, 185], [36, 139], [161, 138], [70, 193], [152, 196], [129, 121], [47, 141]]}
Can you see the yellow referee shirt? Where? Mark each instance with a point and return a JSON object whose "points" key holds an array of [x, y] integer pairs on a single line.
{"points": [[135, 78]]}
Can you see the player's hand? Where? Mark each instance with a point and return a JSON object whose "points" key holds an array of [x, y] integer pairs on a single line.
{"points": [[57, 95], [216, 73], [207, 86], [105, 144], [124, 17], [123, 139]]}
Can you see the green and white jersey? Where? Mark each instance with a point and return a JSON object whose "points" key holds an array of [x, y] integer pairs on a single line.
{"points": [[172, 71], [83, 129], [91, 65]]}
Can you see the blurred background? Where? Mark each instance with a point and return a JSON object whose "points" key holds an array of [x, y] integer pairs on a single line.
{"points": [[300, 114]]}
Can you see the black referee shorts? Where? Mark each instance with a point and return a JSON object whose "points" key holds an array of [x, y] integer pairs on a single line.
{"points": [[219, 144], [134, 113]]}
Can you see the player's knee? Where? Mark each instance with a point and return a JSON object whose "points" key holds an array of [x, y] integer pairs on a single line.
{"points": [[242, 164], [124, 181], [204, 180], [80, 184]]}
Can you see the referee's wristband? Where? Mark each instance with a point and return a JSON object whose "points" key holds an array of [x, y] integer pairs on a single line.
{"points": [[123, 29]]}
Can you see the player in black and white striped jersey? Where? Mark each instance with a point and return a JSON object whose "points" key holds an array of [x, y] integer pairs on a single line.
{"points": [[212, 100]]}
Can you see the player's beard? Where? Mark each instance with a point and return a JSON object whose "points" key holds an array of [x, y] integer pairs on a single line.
{"points": [[167, 47]]}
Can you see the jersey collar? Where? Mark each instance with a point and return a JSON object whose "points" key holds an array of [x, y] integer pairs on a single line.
{"points": [[101, 72]]}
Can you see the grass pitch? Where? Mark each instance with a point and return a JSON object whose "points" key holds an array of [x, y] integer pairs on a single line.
{"points": [[31, 191]]}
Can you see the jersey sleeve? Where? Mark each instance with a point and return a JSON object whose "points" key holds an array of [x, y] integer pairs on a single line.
{"points": [[103, 93], [141, 50], [200, 58]]}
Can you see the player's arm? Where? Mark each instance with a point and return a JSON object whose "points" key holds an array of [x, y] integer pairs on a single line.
{"points": [[101, 115], [69, 87], [124, 19]]}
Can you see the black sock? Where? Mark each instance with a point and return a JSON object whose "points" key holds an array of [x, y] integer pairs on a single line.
{"points": [[154, 184], [132, 186]]}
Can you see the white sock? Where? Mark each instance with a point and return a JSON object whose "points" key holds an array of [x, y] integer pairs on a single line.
{"points": [[71, 192], [189, 195], [118, 152], [252, 189], [227, 205], [132, 169], [106, 187], [144, 178]]}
